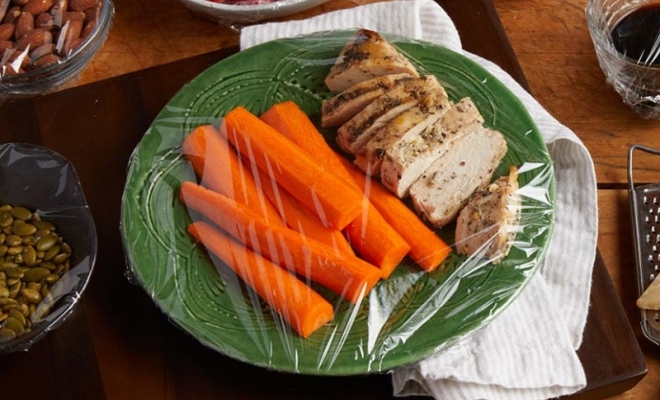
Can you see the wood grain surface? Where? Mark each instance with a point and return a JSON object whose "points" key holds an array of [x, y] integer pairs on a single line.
{"points": [[552, 44]]}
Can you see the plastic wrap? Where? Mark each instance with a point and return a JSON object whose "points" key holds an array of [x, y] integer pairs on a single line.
{"points": [[405, 317], [43, 62], [635, 77], [238, 15], [47, 184]]}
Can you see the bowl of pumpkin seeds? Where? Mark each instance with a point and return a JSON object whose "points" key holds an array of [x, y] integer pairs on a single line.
{"points": [[48, 243]]}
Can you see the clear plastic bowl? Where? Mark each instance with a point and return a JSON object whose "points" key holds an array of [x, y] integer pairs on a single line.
{"points": [[48, 78], [46, 183], [236, 15]]}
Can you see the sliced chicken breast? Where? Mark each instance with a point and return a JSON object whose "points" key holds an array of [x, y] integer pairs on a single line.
{"points": [[410, 157], [340, 108], [352, 135], [409, 123], [440, 193], [367, 55], [488, 224]]}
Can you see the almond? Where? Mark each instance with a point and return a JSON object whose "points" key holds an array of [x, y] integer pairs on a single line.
{"points": [[41, 51], [88, 30], [74, 44], [92, 14], [36, 7], [19, 58], [5, 45], [70, 31], [44, 21], [4, 6], [12, 14], [74, 15], [24, 23], [34, 39], [7, 31], [46, 60], [81, 5]]}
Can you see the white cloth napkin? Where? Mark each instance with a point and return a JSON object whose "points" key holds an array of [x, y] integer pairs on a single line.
{"points": [[528, 352]]}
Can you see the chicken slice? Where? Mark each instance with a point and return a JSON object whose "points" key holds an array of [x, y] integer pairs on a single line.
{"points": [[410, 157], [409, 123], [367, 55], [448, 183], [352, 135], [340, 108], [488, 224]]}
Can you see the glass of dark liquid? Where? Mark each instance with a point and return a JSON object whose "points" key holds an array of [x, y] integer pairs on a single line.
{"points": [[626, 37]]}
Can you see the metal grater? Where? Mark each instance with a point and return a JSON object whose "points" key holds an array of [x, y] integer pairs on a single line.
{"points": [[645, 209]]}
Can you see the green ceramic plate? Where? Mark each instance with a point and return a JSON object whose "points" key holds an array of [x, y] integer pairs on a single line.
{"points": [[405, 318]]}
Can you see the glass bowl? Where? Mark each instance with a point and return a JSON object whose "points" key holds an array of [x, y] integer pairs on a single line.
{"points": [[45, 183], [245, 14], [21, 72]]}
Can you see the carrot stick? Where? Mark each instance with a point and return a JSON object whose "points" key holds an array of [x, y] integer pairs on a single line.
{"points": [[371, 236], [299, 218], [428, 250], [347, 275], [321, 191], [218, 167], [376, 242], [300, 306]]}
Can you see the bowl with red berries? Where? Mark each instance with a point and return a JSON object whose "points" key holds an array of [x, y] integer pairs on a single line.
{"points": [[244, 12]]}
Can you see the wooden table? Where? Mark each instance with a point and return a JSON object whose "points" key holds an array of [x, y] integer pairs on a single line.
{"points": [[118, 346]]}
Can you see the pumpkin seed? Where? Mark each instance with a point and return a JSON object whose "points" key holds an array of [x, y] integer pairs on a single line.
{"points": [[30, 240], [16, 314], [7, 301], [14, 325], [46, 243], [7, 264], [25, 229], [21, 213], [51, 253], [5, 219], [60, 258], [24, 309], [31, 295], [48, 265], [14, 289], [13, 240], [15, 250], [45, 225], [29, 256], [35, 274], [7, 335], [14, 272], [66, 249]]}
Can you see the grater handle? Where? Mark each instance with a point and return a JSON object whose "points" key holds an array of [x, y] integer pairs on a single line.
{"points": [[634, 147]]}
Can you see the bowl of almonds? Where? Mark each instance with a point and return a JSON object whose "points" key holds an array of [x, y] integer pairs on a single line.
{"points": [[46, 43], [48, 243]]}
